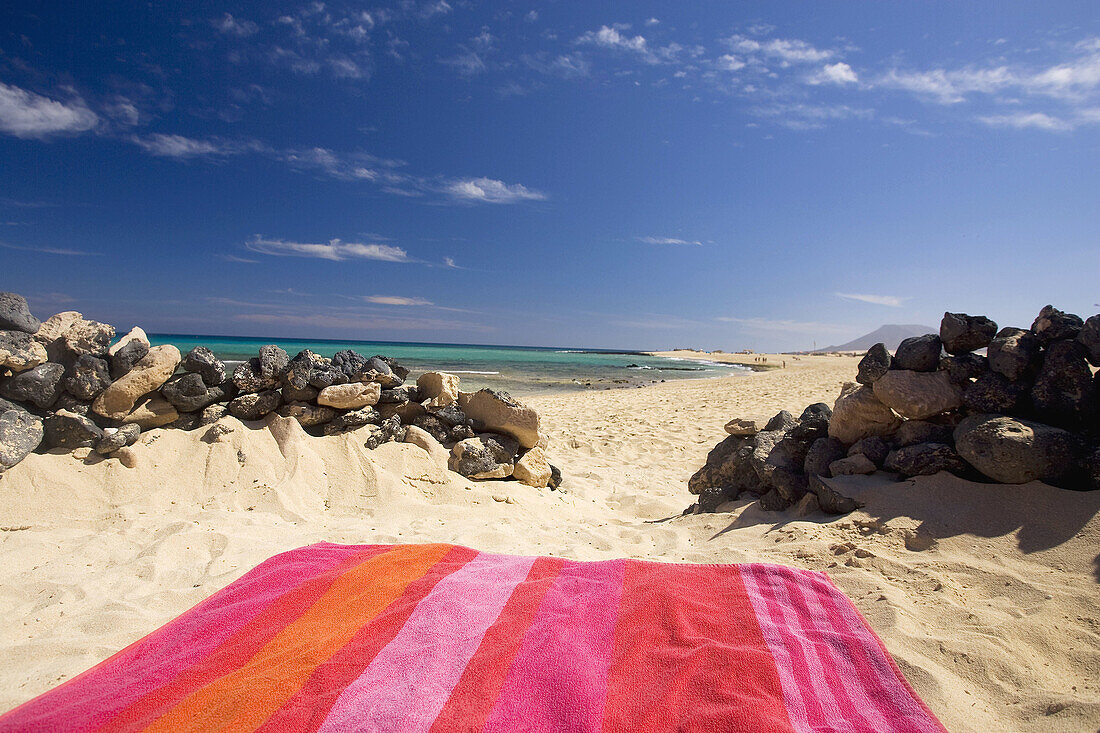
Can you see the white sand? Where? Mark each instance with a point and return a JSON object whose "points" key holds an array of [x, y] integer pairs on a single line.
{"points": [[988, 596]]}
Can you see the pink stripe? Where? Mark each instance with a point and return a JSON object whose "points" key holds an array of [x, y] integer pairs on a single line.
{"points": [[407, 684], [98, 694], [784, 662], [558, 680], [841, 672], [888, 690]]}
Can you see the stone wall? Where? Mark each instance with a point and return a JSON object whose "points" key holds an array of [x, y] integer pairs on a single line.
{"points": [[1028, 409], [68, 384]]}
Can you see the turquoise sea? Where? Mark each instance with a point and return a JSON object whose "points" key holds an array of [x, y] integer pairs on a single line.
{"points": [[521, 370]]}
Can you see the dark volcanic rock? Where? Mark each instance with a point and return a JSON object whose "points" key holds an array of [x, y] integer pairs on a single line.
{"points": [[711, 499], [123, 360], [1092, 468], [88, 376], [728, 466], [300, 368], [19, 350], [829, 499], [397, 396], [555, 476], [189, 393], [1063, 393], [15, 315], [398, 371], [451, 414], [1014, 451], [326, 376], [379, 370], [874, 364], [773, 501], [875, 448], [1014, 354], [961, 333], [1053, 325], [20, 433], [118, 439], [391, 429], [69, 430], [352, 365], [912, 432], [461, 432], [308, 415], [925, 459], [918, 353], [248, 377], [39, 386], [202, 361], [254, 405], [87, 337], [273, 362], [353, 419], [791, 485], [963, 368], [816, 411], [782, 421], [434, 427], [993, 392], [1090, 339]]}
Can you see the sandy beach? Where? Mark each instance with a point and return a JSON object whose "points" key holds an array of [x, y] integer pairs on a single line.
{"points": [[986, 595]]}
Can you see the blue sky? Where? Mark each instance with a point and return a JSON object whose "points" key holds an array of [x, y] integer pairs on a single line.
{"points": [[628, 175]]}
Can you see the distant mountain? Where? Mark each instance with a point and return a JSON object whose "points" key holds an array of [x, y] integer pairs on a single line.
{"points": [[891, 335]]}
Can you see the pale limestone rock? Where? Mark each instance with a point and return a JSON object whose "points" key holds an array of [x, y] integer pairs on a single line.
{"points": [[56, 325], [439, 388], [858, 414], [150, 373], [19, 351], [423, 439], [917, 395], [500, 413], [533, 469], [151, 412], [126, 456], [853, 465], [350, 396], [739, 426], [135, 334]]}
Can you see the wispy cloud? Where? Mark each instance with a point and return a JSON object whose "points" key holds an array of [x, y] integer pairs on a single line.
{"points": [[395, 300], [892, 301], [838, 73], [25, 114], [667, 240], [608, 37], [334, 249], [66, 251], [232, 26], [492, 191], [235, 258], [785, 50], [179, 146]]}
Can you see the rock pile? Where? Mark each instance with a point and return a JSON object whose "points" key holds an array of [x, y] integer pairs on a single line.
{"points": [[1026, 410], [64, 385]]}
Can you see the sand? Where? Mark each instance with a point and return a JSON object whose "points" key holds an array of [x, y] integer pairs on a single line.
{"points": [[987, 596]]}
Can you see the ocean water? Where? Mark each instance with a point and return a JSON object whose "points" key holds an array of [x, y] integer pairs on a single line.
{"points": [[517, 369]]}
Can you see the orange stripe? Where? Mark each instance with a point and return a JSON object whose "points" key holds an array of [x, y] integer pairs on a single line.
{"points": [[244, 699]]}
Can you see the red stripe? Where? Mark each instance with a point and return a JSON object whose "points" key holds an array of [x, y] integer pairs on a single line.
{"points": [[477, 690], [238, 648], [689, 655], [309, 707]]}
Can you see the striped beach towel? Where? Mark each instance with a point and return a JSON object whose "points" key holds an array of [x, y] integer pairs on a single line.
{"points": [[444, 638]]}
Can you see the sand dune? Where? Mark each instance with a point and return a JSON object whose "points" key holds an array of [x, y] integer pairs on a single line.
{"points": [[986, 595]]}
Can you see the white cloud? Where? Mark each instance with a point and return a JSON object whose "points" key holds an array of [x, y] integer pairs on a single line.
{"points": [[441, 7], [335, 250], [395, 300], [178, 146], [531, 16], [449, 263], [1024, 120], [729, 62], [838, 73], [28, 115], [667, 240], [652, 22], [608, 37], [892, 301], [231, 26], [52, 250], [491, 191], [787, 50]]}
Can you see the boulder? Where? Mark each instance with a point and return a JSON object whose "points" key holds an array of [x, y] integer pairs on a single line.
{"points": [[1063, 393], [20, 433], [306, 414], [151, 411], [305, 394], [351, 396], [918, 353], [728, 466], [555, 478], [87, 377], [117, 438], [912, 432], [300, 369], [858, 413], [39, 386], [498, 412], [783, 420], [326, 375], [433, 426], [1089, 337], [963, 368], [993, 392], [273, 362], [20, 351], [391, 429], [398, 371], [87, 337], [533, 469], [710, 500], [874, 364], [1014, 451], [149, 374], [439, 388], [961, 333], [202, 361], [484, 457], [822, 453], [393, 396], [249, 377], [135, 334], [66, 401], [352, 365], [255, 405], [1053, 325], [741, 427], [124, 359], [352, 420], [917, 395], [1092, 468], [378, 370], [212, 414], [855, 465], [875, 448], [830, 500], [817, 412], [189, 393], [925, 459], [1014, 354], [15, 315], [461, 432], [52, 329], [64, 429]]}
